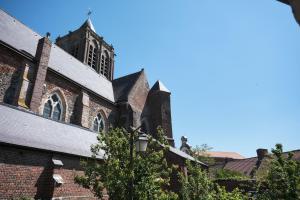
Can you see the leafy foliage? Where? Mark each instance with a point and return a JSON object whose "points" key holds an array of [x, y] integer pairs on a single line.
{"points": [[229, 174], [283, 178], [200, 152], [198, 186], [150, 174]]}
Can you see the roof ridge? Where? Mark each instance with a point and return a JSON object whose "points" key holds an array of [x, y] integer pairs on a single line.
{"points": [[128, 75]]}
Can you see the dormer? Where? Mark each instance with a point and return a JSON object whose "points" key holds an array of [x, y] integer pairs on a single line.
{"points": [[90, 48]]}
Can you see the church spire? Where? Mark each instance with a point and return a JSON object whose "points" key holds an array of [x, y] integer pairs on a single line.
{"points": [[88, 22]]}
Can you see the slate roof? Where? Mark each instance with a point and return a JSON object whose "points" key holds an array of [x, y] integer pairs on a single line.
{"points": [[159, 86], [184, 155], [25, 129], [22, 38], [89, 23], [123, 85]]}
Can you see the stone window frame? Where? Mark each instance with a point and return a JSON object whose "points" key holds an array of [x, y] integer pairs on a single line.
{"points": [[62, 97], [54, 104], [104, 119]]}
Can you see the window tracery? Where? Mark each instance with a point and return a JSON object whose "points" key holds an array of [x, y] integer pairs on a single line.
{"points": [[53, 108], [98, 123]]}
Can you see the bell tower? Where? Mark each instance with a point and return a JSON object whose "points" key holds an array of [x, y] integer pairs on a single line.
{"points": [[90, 48]]}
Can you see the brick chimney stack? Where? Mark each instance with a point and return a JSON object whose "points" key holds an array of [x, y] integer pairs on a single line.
{"points": [[261, 153]]}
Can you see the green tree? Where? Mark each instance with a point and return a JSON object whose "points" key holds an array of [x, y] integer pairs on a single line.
{"points": [[201, 153], [283, 178], [198, 186], [150, 174]]}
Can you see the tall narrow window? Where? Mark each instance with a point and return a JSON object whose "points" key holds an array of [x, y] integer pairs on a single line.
{"points": [[104, 66], [53, 108], [98, 124], [92, 57]]}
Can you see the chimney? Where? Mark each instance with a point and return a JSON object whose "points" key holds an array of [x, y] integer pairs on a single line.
{"points": [[261, 153]]}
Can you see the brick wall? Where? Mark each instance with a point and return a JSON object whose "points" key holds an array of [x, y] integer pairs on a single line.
{"points": [[70, 93], [100, 106], [137, 98], [28, 173], [10, 71]]}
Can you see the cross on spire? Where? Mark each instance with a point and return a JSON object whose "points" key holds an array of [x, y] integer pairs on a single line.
{"points": [[89, 13]]}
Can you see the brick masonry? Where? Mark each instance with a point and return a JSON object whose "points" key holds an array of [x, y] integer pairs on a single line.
{"points": [[28, 173], [42, 57], [10, 71], [107, 111], [67, 91]]}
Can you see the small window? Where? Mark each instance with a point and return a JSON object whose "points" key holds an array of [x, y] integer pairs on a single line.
{"points": [[53, 108], [98, 124]]}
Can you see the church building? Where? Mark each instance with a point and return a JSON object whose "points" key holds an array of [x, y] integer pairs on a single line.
{"points": [[54, 99]]}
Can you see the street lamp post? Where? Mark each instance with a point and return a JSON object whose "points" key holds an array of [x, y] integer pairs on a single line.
{"points": [[140, 146]]}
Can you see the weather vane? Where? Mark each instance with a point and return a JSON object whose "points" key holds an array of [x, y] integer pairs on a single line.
{"points": [[89, 13]]}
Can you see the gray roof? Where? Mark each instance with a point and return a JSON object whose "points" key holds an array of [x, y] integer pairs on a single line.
{"points": [[29, 130], [89, 23], [21, 37], [184, 155], [63, 63], [159, 86]]}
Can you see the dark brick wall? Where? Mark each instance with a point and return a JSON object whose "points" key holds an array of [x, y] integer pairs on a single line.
{"points": [[29, 173], [71, 94], [159, 106], [137, 99], [107, 110], [10, 72]]}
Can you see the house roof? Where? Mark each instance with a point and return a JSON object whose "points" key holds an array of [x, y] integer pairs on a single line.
{"points": [[222, 154], [25, 129], [22, 38], [246, 166], [123, 85]]}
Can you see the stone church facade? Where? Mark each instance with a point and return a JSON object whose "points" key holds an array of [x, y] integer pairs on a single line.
{"points": [[55, 97]]}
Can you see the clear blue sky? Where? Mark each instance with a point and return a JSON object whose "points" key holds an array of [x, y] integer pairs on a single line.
{"points": [[233, 66]]}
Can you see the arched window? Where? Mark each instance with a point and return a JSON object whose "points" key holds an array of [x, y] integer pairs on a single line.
{"points": [[104, 66], [53, 108], [92, 57], [98, 124]]}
